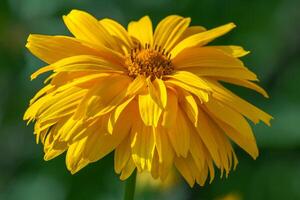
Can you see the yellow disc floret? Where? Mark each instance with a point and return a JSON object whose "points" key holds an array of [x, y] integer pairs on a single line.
{"points": [[153, 62]]}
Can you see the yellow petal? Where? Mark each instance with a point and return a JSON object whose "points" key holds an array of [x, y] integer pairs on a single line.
{"points": [[235, 51], [164, 150], [53, 48], [170, 112], [85, 27], [53, 153], [33, 109], [48, 88], [169, 30], [122, 155], [211, 170], [114, 115], [223, 146], [73, 130], [245, 83], [119, 32], [223, 72], [58, 104], [160, 87], [100, 143], [179, 135], [206, 134], [245, 141], [142, 145], [205, 57], [142, 30], [157, 91], [201, 38], [74, 157], [191, 83], [58, 79], [197, 150], [192, 30], [195, 171], [127, 170], [190, 79], [235, 120], [103, 98], [201, 178], [84, 63], [183, 168], [155, 173], [83, 82], [190, 106], [150, 111], [136, 86], [240, 105], [163, 145]]}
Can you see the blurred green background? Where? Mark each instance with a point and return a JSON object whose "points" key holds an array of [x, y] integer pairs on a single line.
{"points": [[270, 29]]}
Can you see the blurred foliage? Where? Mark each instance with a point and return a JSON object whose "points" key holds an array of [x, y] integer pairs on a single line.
{"points": [[269, 29]]}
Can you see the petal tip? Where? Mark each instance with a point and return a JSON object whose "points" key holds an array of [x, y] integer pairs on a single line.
{"points": [[233, 25]]}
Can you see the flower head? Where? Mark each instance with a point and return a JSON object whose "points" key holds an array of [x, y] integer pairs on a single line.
{"points": [[152, 97]]}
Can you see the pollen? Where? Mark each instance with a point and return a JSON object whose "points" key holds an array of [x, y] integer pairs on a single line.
{"points": [[153, 62]]}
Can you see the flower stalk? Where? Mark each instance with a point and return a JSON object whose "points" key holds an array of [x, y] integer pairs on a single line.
{"points": [[130, 187]]}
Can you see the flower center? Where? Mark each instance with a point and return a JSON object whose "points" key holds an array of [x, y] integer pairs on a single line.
{"points": [[148, 61]]}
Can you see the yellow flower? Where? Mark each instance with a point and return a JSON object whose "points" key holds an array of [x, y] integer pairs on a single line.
{"points": [[153, 98]]}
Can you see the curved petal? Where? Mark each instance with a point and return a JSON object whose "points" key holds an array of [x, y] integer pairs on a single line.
{"points": [[192, 30], [201, 38], [170, 112], [142, 30], [197, 150], [235, 51], [205, 57], [189, 79], [214, 137], [55, 105], [150, 111], [114, 115], [82, 63], [245, 141], [169, 30], [244, 83], [179, 135], [190, 107], [53, 48], [85, 27], [184, 169], [207, 135], [208, 61], [119, 32], [164, 150], [158, 91], [122, 155], [100, 143], [128, 169], [191, 83], [74, 157], [103, 98], [136, 86], [142, 145], [239, 105], [221, 73], [237, 122]]}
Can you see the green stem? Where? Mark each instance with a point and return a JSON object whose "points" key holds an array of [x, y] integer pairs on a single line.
{"points": [[130, 187]]}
